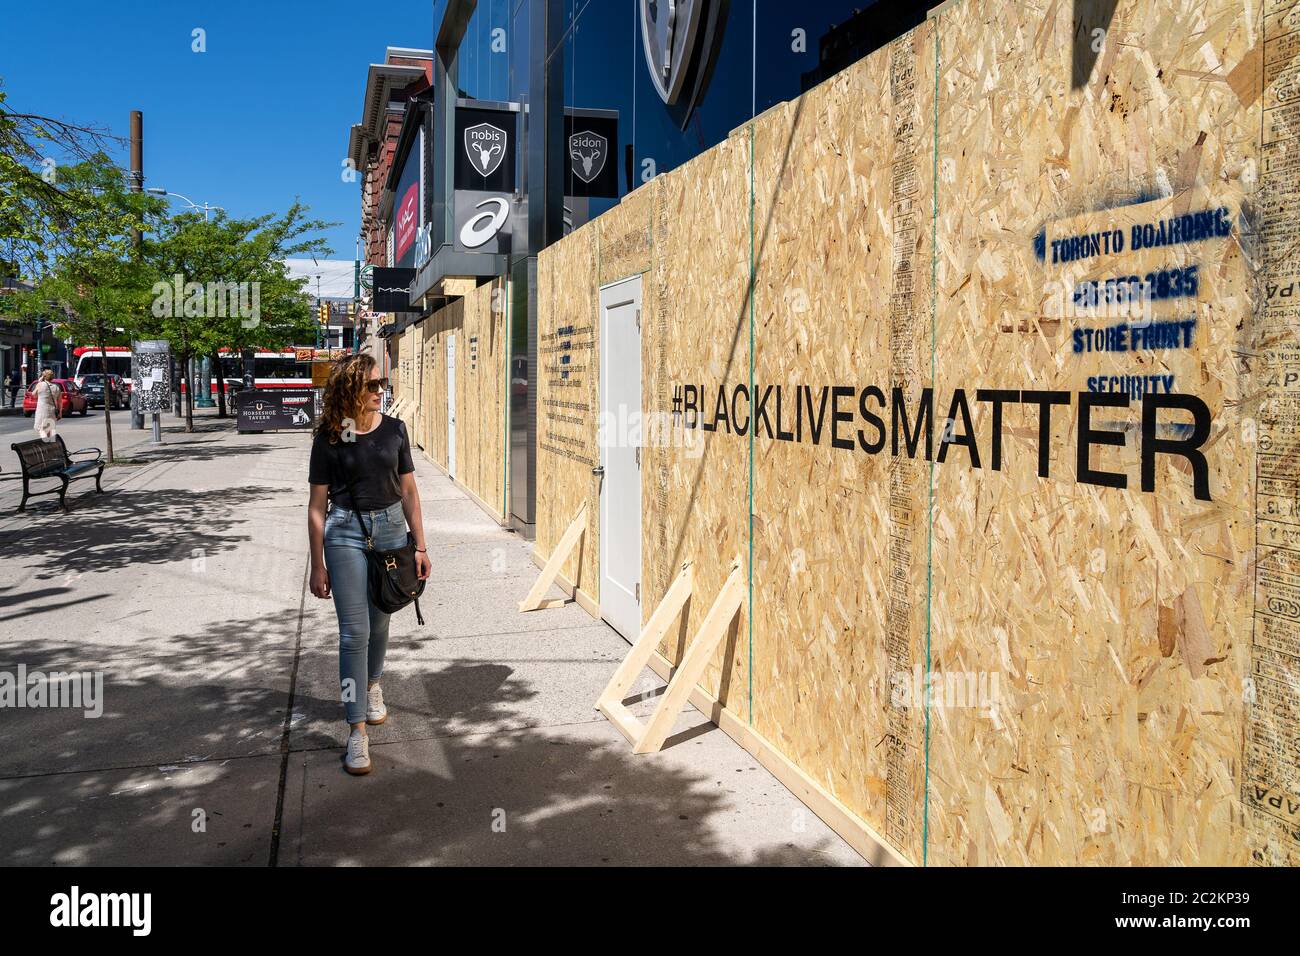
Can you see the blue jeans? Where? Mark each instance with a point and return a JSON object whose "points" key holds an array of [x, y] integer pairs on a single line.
{"points": [[363, 629]]}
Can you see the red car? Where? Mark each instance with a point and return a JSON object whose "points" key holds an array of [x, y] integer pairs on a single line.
{"points": [[70, 398]]}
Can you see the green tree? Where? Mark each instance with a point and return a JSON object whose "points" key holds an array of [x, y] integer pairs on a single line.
{"points": [[36, 205], [93, 276], [222, 283]]}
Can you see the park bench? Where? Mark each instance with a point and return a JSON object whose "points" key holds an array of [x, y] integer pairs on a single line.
{"points": [[50, 459]]}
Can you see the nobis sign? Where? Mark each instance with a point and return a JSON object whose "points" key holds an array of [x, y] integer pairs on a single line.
{"points": [[591, 166], [485, 149], [484, 200]]}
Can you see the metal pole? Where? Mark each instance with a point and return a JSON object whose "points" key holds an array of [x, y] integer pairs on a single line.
{"points": [[137, 184]]}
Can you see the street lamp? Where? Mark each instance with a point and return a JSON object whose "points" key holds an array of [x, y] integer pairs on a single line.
{"points": [[186, 199], [205, 399]]}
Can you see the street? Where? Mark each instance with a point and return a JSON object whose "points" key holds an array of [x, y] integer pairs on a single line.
{"points": [[221, 733]]}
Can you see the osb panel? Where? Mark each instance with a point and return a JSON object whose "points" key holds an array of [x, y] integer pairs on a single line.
{"points": [[420, 363], [1103, 630], [434, 398], [1144, 643], [478, 324], [842, 255], [625, 237], [402, 372], [694, 490], [408, 362], [1270, 785], [568, 325], [481, 355]]}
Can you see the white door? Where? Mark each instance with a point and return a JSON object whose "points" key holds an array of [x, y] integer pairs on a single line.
{"points": [[620, 456], [451, 405]]}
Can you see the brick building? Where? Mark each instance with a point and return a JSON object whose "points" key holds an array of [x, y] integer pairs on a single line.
{"points": [[372, 143]]}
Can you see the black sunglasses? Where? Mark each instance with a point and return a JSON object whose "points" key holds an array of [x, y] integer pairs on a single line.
{"points": [[377, 385]]}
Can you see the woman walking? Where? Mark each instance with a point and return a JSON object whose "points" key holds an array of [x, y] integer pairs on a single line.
{"points": [[361, 466], [47, 405]]}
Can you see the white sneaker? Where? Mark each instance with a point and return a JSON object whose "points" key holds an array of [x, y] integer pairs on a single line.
{"points": [[358, 759], [376, 712]]}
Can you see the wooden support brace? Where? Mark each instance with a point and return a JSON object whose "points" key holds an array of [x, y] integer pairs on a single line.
{"points": [[561, 553], [610, 702], [693, 663], [649, 737]]}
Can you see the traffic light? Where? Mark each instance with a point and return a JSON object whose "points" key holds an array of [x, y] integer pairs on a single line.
{"points": [[323, 313]]}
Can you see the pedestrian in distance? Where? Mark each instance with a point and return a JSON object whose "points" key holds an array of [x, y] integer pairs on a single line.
{"points": [[361, 468], [11, 389], [47, 405]]}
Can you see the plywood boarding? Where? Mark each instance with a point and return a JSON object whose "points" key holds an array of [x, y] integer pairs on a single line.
{"points": [[405, 386], [1270, 784], [617, 246], [697, 339], [478, 324], [842, 258], [1109, 626], [568, 325], [418, 422], [1127, 655], [481, 358], [435, 386]]}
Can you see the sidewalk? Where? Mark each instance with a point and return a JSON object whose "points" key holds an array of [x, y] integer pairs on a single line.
{"points": [[221, 735]]}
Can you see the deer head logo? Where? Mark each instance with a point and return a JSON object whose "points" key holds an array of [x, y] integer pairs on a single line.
{"points": [[588, 151], [485, 145]]}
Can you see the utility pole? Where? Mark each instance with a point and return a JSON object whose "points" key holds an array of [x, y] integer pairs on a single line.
{"points": [[137, 185]]}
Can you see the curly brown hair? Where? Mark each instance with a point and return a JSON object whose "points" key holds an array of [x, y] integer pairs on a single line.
{"points": [[345, 395]]}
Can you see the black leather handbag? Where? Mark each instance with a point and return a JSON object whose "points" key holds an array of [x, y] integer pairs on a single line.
{"points": [[392, 577]]}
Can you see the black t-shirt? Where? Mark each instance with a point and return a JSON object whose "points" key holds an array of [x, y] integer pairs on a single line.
{"points": [[373, 461]]}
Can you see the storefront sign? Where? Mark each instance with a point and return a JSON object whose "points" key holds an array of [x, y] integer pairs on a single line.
{"points": [[407, 220], [483, 202], [681, 42], [591, 167], [392, 287], [482, 222], [267, 409], [485, 157]]}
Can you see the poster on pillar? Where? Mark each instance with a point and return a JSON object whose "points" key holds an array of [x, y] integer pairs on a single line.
{"points": [[151, 375]]}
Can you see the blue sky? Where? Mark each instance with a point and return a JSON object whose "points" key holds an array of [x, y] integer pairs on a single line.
{"points": [[258, 119]]}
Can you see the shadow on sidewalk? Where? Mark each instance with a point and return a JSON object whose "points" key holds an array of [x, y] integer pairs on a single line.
{"points": [[126, 526], [204, 732], [493, 792]]}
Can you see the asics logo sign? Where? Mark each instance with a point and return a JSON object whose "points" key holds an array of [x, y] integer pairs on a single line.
{"points": [[482, 226]]}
